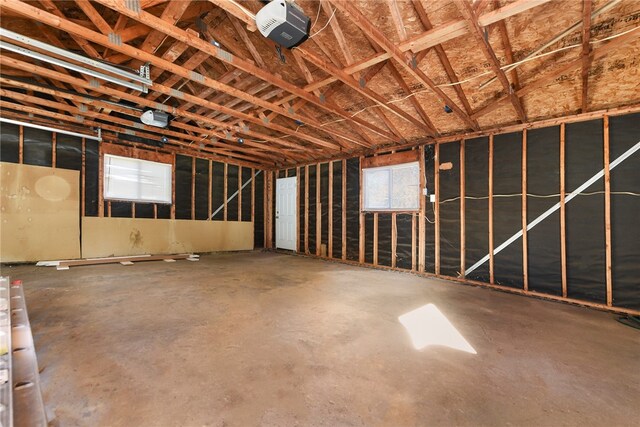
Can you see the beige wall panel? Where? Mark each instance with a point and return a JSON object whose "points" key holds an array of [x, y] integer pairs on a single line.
{"points": [[39, 213], [103, 237]]}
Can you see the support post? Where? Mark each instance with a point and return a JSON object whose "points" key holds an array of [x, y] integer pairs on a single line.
{"points": [[193, 188], [525, 253], [463, 245], [54, 143], [375, 238], [101, 183], [422, 212], [83, 179], [607, 213], [330, 213], [361, 235], [344, 210], [437, 208], [491, 269], [563, 239], [318, 212], [210, 194], [21, 145], [306, 209], [226, 191]]}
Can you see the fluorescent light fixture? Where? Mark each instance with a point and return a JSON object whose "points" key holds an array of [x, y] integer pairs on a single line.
{"points": [[70, 66], [428, 326], [145, 82], [66, 132]]}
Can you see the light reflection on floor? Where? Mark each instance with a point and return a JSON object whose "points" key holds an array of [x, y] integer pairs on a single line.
{"points": [[428, 326]]}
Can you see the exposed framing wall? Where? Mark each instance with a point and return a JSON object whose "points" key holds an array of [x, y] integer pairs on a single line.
{"points": [[197, 194], [485, 168]]}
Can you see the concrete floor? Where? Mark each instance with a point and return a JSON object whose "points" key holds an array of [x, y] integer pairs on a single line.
{"points": [[270, 339]]}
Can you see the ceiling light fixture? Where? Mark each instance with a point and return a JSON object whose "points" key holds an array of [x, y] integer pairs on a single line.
{"points": [[142, 78]]}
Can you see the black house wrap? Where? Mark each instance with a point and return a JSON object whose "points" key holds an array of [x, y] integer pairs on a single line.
{"points": [[38, 149], [584, 213]]}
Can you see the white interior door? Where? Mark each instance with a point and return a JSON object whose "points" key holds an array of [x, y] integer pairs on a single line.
{"points": [[286, 213]]}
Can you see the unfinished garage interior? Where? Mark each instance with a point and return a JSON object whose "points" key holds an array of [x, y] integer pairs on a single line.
{"points": [[320, 213]]}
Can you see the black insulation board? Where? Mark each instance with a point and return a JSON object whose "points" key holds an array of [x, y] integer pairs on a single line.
{"points": [[543, 178], [291, 172], [625, 210], [507, 211], [337, 209], [384, 239], [404, 237], [585, 213], [324, 200], [450, 210], [301, 203], [312, 209], [202, 189], [477, 206], [68, 152], [217, 191], [183, 187], [164, 211], [353, 208], [38, 147], [144, 210], [429, 241], [232, 188], [368, 238], [91, 170], [120, 209], [258, 225], [246, 194], [9, 143]]}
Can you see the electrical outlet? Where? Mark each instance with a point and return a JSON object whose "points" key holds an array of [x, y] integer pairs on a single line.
{"points": [[432, 198]]}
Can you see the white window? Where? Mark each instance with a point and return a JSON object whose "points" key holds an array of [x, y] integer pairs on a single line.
{"points": [[394, 187], [136, 180]]}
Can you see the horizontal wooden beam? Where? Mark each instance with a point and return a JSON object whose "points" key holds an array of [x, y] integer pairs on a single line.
{"points": [[391, 159]]}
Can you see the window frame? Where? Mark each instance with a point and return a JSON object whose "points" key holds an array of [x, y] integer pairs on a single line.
{"points": [[390, 168], [169, 178]]}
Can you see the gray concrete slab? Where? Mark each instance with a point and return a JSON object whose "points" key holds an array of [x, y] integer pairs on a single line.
{"points": [[269, 339]]}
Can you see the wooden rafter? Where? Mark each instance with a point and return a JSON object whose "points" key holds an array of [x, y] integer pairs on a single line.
{"points": [[442, 56], [567, 68], [373, 33], [508, 51], [66, 25], [5, 61], [467, 11], [218, 53], [151, 132]]}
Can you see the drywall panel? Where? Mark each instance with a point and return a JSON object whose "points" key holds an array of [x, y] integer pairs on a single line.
{"points": [[39, 214], [135, 236]]}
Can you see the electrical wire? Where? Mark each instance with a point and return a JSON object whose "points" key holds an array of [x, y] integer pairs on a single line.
{"points": [[325, 25], [317, 16], [511, 66], [540, 196]]}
